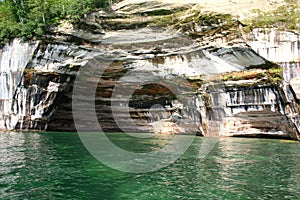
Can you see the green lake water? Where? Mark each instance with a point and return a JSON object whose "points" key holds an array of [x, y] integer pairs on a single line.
{"points": [[57, 166]]}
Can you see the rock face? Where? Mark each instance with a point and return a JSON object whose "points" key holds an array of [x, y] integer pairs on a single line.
{"points": [[282, 47], [239, 8], [148, 67], [277, 46], [13, 58]]}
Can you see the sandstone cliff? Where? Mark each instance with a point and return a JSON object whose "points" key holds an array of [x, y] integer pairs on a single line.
{"points": [[152, 67]]}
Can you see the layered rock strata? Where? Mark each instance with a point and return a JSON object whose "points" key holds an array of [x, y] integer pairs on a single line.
{"points": [[157, 67]]}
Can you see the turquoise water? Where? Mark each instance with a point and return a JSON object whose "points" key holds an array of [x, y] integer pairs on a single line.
{"points": [[57, 166]]}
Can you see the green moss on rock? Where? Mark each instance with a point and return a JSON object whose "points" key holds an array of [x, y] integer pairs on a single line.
{"points": [[271, 76]]}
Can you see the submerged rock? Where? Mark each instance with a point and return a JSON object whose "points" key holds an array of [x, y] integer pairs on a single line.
{"points": [[142, 63]]}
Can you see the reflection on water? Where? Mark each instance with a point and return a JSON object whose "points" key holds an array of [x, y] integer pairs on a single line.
{"points": [[57, 166]]}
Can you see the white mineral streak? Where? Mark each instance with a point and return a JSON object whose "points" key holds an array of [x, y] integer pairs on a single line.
{"points": [[276, 46], [13, 59]]}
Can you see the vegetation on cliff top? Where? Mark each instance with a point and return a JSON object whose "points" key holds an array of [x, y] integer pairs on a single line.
{"points": [[30, 18], [34, 18], [285, 17], [271, 76]]}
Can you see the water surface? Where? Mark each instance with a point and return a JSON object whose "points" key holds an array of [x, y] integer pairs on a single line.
{"points": [[57, 166]]}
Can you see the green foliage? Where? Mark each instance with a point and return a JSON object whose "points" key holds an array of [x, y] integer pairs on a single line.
{"points": [[186, 20], [33, 18], [284, 17], [273, 75]]}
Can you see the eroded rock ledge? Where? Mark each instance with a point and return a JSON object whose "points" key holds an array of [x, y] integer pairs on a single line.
{"points": [[165, 68]]}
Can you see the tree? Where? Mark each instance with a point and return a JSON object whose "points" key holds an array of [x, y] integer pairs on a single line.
{"points": [[28, 18]]}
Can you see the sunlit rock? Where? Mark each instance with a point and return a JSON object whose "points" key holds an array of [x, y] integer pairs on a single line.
{"points": [[149, 62]]}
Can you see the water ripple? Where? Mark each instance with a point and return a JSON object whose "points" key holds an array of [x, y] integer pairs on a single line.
{"points": [[57, 166]]}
